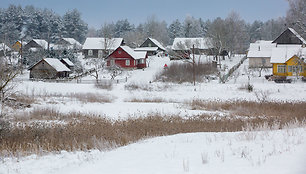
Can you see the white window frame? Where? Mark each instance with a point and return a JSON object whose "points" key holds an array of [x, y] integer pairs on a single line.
{"points": [[127, 62], [289, 68], [90, 53], [112, 62], [281, 68], [141, 61]]}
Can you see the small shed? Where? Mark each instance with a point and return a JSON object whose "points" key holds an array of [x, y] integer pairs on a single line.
{"points": [[69, 43], [125, 57], [49, 68]]}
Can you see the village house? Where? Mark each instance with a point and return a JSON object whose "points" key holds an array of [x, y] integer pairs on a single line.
{"points": [[69, 43], [183, 46], [151, 46], [98, 47], [259, 54], [18, 44], [125, 57], [49, 68], [289, 60], [36, 44]]}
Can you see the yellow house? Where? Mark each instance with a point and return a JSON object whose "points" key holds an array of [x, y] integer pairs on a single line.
{"points": [[288, 60], [17, 45]]}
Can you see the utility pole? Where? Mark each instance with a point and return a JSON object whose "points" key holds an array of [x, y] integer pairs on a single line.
{"points": [[193, 65]]}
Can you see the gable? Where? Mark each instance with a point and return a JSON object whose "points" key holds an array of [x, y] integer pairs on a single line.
{"points": [[120, 53], [289, 36]]}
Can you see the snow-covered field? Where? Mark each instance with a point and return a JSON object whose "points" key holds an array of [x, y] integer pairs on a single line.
{"points": [[278, 151], [256, 152]]}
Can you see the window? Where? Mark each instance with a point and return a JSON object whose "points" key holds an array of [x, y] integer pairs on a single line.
{"points": [[141, 61], [127, 62], [289, 68], [119, 52], [90, 52], [112, 62], [100, 54], [150, 45], [281, 68], [135, 62]]}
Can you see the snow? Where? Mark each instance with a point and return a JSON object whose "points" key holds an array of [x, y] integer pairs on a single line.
{"points": [[261, 49], [282, 53], [276, 151], [3, 46], [56, 64], [297, 35], [99, 43], [72, 41], [158, 44], [134, 54], [42, 43], [186, 43], [68, 62], [146, 49], [266, 151]]}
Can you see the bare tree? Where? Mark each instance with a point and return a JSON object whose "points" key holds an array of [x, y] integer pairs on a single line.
{"points": [[7, 74], [296, 15]]}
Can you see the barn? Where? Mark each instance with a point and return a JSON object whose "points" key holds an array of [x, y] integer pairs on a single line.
{"points": [[49, 68], [125, 57]]}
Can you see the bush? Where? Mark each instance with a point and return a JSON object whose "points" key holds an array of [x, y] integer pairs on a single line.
{"points": [[183, 72], [104, 85]]}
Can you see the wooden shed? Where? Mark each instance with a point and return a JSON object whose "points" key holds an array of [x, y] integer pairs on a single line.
{"points": [[49, 68]]}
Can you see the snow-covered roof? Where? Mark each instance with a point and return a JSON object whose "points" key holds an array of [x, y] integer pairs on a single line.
{"points": [[158, 44], [72, 41], [96, 43], [56, 64], [297, 35], [42, 43], [146, 49], [3, 46], [282, 53], [134, 54], [261, 48], [187, 43], [68, 62], [23, 42]]}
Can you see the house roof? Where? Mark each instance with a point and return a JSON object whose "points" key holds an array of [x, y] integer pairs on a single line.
{"points": [[3, 46], [134, 54], [282, 53], [146, 49], [294, 33], [187, 43], [72, 41], [158, 44], [68, 62], [42, 43], [23, 42], [261, 48], [96, 43], [55, 63]]}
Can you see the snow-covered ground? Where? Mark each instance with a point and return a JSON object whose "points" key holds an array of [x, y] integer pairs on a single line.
{"points": [[281, 151], [262, 152]]}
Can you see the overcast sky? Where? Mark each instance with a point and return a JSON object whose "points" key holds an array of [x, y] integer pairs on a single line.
{"points": [[96, 12]]}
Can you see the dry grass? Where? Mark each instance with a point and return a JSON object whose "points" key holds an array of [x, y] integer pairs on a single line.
{"points": [[147, 100], [283, 110], [77, 131], [180, 73], [91, 97]]}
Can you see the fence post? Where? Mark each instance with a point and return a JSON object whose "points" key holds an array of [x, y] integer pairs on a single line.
{"points": [[125, 79]]}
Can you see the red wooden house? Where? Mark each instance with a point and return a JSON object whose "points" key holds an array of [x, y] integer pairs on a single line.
{"points": [[126, 57]]}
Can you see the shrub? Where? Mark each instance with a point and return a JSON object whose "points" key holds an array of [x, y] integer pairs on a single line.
{"points": [[183, 72]]}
